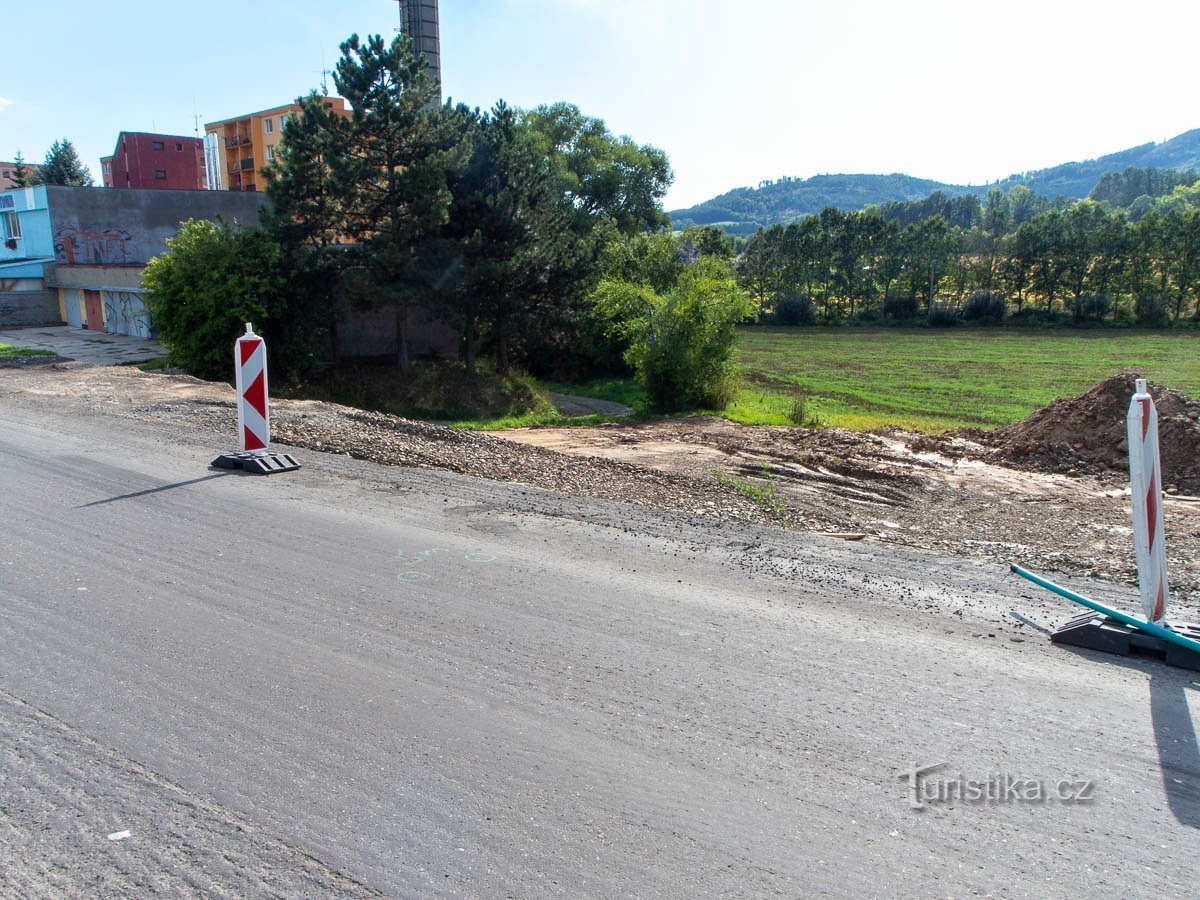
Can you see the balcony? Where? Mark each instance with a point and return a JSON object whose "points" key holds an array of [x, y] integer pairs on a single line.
{"points": [[247, 163]]}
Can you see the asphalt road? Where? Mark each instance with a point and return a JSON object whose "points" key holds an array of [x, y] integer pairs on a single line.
{"points": [[353, 679]]}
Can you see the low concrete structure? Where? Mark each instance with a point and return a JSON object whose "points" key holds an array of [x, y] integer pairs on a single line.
{"points": [[76, 255]]}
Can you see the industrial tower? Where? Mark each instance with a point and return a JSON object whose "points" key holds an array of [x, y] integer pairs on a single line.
{"points": [[419, 20]]}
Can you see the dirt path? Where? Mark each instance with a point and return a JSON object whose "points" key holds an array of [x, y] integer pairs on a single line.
{"points": [[572, 405]]}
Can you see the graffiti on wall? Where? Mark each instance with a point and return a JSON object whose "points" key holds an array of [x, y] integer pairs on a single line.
{"points": [[76, 245], [125, 313]]}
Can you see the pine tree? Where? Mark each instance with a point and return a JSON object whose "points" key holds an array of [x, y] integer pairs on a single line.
{"points": [[392, 180], [20, 172], [62, 166]]}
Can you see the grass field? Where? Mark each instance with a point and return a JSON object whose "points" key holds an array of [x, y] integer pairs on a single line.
{"points": [[10, 350], [935, 380]]}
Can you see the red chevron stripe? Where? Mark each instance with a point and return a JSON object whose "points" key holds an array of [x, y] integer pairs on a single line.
{"points": [[256, 394], [253, 441], [1152, 508], [247, 348]]}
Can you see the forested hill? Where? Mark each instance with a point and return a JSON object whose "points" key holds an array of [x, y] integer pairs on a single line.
{"points": [[743, 210]]}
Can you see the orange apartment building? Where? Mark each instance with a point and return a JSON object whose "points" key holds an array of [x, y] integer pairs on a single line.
{"points": [[237, 149]]}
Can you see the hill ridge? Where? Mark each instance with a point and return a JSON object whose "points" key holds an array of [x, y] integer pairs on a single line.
{"points": [[743, 210]]}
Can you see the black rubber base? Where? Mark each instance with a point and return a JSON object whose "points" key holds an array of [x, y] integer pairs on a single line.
{"points": [[257, 463], [1097, 632]]}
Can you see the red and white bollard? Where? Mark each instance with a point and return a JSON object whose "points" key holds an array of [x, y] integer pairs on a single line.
{"points": [[254, 413], [254, 417], [1145, 474]]}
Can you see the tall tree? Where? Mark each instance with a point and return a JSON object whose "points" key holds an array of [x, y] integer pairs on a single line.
{"points": [[607, 176], [20, 172], [392, 181], [304, 181], [62, 166]]}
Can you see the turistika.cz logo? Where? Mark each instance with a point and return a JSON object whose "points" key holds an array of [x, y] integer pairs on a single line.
{"points": [[926, 790]]}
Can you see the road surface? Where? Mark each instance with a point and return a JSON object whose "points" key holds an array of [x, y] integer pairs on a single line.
{"points": [[354, 679]]}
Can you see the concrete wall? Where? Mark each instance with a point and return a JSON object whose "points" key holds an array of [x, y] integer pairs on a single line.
{"points": [[117, 227], [37, 307], [367, 333]]}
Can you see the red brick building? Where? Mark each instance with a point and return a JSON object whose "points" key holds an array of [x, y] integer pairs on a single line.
{"points": [[155, 162]]}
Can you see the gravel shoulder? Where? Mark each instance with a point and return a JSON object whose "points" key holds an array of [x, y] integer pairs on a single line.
{"points": [[950, 497]]}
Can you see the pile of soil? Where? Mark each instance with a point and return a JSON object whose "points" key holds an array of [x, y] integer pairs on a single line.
{"points": [[1087, 434]]}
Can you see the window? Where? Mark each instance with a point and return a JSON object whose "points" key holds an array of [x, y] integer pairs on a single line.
{"points": [[270, 152], [157, 145], [282, 121], [161, 175], [268, 125], [179, 146], [12, 225]]}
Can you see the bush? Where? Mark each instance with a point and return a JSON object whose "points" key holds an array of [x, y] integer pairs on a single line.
{"points": [[680, 343], [900, 307], [1151, 310], [943, 315], [795, 309], [985, 306], [1094, 307], [215, 278]]}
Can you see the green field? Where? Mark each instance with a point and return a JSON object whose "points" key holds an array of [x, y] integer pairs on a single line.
{"points": [[935, 380], [10, 350]]}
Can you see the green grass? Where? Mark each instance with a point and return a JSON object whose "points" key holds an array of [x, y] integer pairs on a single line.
{"points": [[10, 350], [936, 380], [617, 390], [158, 364]]}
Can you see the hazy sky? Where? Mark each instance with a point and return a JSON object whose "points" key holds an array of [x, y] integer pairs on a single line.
{"points": [[735, 91]]}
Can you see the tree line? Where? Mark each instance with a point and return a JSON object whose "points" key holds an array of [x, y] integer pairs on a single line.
{"points": [[1017, 254]]}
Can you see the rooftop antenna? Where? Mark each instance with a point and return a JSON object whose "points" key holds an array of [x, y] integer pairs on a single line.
{"points": [[324, 73]]}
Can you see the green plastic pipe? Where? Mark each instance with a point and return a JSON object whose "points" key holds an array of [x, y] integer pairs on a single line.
{"points": [[1149, 627]]}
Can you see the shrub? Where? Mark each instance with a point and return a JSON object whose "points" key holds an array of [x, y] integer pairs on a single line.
{"points": [[680, 343], [984, 306], [1151, 309], [211, 281], [795, 309], [943, 315], [903, 307], [1094, 307], [800, 415]]}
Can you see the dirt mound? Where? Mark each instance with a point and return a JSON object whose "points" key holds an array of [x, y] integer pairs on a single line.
{"points": [[1087, 434]]}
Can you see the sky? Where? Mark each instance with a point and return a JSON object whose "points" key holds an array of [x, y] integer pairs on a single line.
{"points": [[735, 91]]}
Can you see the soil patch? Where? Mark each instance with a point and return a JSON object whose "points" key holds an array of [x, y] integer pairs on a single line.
{"points": [[1087, 434]]}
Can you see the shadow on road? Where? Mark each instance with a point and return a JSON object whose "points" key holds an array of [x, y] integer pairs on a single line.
{"points": [[1174, 731], [1175, 735], [155, 490]]}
